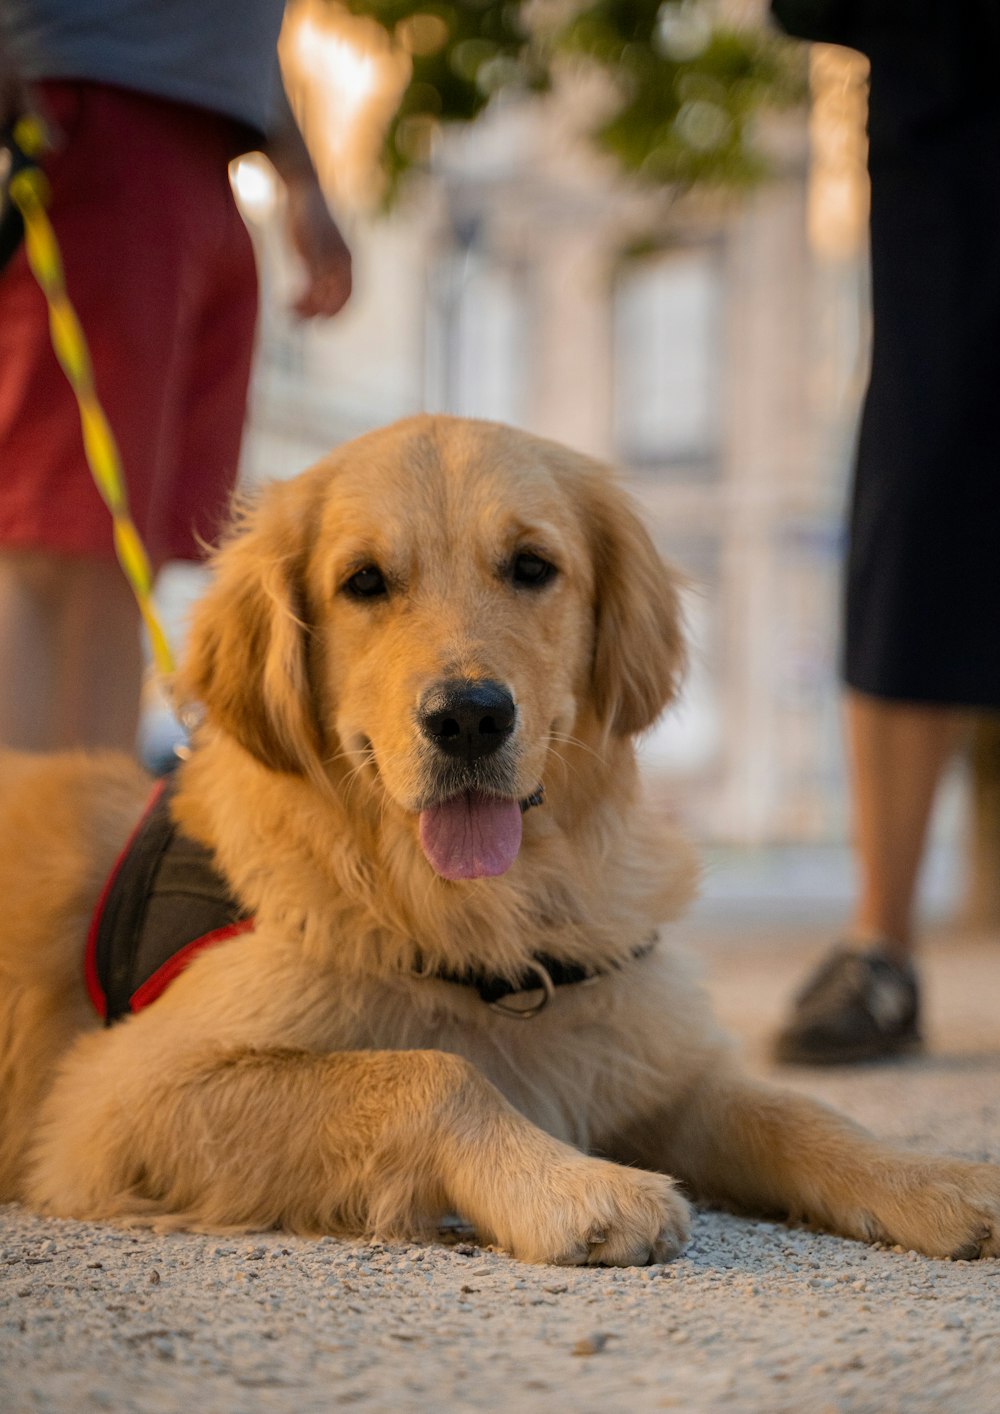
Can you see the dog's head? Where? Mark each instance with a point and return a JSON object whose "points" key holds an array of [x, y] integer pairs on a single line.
{"points": [[432, 613]]}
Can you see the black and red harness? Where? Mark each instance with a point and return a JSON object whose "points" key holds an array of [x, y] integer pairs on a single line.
{"points": [[163, 902]]}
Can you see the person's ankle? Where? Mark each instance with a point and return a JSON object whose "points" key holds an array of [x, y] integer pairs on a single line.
{"points": [[898, 950]]}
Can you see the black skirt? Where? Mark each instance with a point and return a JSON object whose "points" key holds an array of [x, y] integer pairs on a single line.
{"points": [[922, 577], [922, 612], [923, 570]]}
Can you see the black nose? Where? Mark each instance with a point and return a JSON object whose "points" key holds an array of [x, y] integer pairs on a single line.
{"points": [[467, 719]]}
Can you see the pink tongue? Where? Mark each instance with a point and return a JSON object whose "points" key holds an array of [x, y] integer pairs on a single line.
{"points": [[471, 836]]}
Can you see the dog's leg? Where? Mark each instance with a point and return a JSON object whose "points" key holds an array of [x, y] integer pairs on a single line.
{"points": [[381, 1142], [767, 1150]]}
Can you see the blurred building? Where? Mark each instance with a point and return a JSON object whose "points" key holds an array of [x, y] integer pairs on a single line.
{"points": [[714, 352]]}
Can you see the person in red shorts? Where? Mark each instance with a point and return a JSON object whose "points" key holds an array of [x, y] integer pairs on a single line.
{"points": [[147, 105]]}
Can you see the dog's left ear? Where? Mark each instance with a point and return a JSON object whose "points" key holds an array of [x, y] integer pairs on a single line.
{"points": [[247, 656], [639, 650]]}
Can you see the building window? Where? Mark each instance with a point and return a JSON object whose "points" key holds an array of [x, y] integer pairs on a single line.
{"points": [[667, 358], [477, 363]]}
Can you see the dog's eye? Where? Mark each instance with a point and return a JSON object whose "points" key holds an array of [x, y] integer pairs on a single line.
{"points": [[366, 583], [531, 571]]}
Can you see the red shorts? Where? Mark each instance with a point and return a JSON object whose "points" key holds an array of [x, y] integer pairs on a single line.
{"points": [[160, 270]]}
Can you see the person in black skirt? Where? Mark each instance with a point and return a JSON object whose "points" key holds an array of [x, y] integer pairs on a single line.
{"points": [[922, 602]]}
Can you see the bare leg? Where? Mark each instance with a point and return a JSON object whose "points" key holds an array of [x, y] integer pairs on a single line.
{"points": [[898, 752], [863, 1002], [71, 653]]}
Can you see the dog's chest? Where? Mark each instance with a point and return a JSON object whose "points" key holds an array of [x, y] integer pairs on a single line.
{"points": [[573, 1070], [595, 1059]]}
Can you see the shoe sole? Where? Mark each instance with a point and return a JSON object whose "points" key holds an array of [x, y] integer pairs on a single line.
{"points": [[892, 1050]]}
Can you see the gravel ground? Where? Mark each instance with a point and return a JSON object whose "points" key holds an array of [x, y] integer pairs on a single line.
{"points": [[754, 1316]]}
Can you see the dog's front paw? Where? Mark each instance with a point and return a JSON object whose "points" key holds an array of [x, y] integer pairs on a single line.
{"points": [[598, 1213], [941, 1207]]}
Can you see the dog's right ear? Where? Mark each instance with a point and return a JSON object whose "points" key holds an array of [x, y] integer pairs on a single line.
{"points": [[639, 651], [246, 659]]}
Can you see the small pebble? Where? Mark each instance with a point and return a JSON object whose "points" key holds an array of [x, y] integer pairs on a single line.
{"points": [[592, 1344]]}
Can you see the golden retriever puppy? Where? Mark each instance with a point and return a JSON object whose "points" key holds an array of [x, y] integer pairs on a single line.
{"points": [[422, 665]]}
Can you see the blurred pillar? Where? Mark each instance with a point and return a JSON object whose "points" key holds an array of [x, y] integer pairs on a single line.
{"points": [[838, 176], [573, 341]]}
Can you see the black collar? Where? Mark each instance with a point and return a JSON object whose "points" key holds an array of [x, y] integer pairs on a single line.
{"points": [[543, 975]]}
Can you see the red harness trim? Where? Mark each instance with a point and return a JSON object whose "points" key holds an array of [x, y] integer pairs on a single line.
{"points": [[157, 982], [94, 989], [174, 966]]}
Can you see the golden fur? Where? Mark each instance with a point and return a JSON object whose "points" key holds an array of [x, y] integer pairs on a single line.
{"points": [[312, 1075]]}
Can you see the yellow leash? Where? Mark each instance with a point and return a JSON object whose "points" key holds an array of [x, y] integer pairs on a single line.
{"points": [[29, 192]]}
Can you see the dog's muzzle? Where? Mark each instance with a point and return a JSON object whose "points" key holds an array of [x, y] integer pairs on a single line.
{"points": [[470, 823]]}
